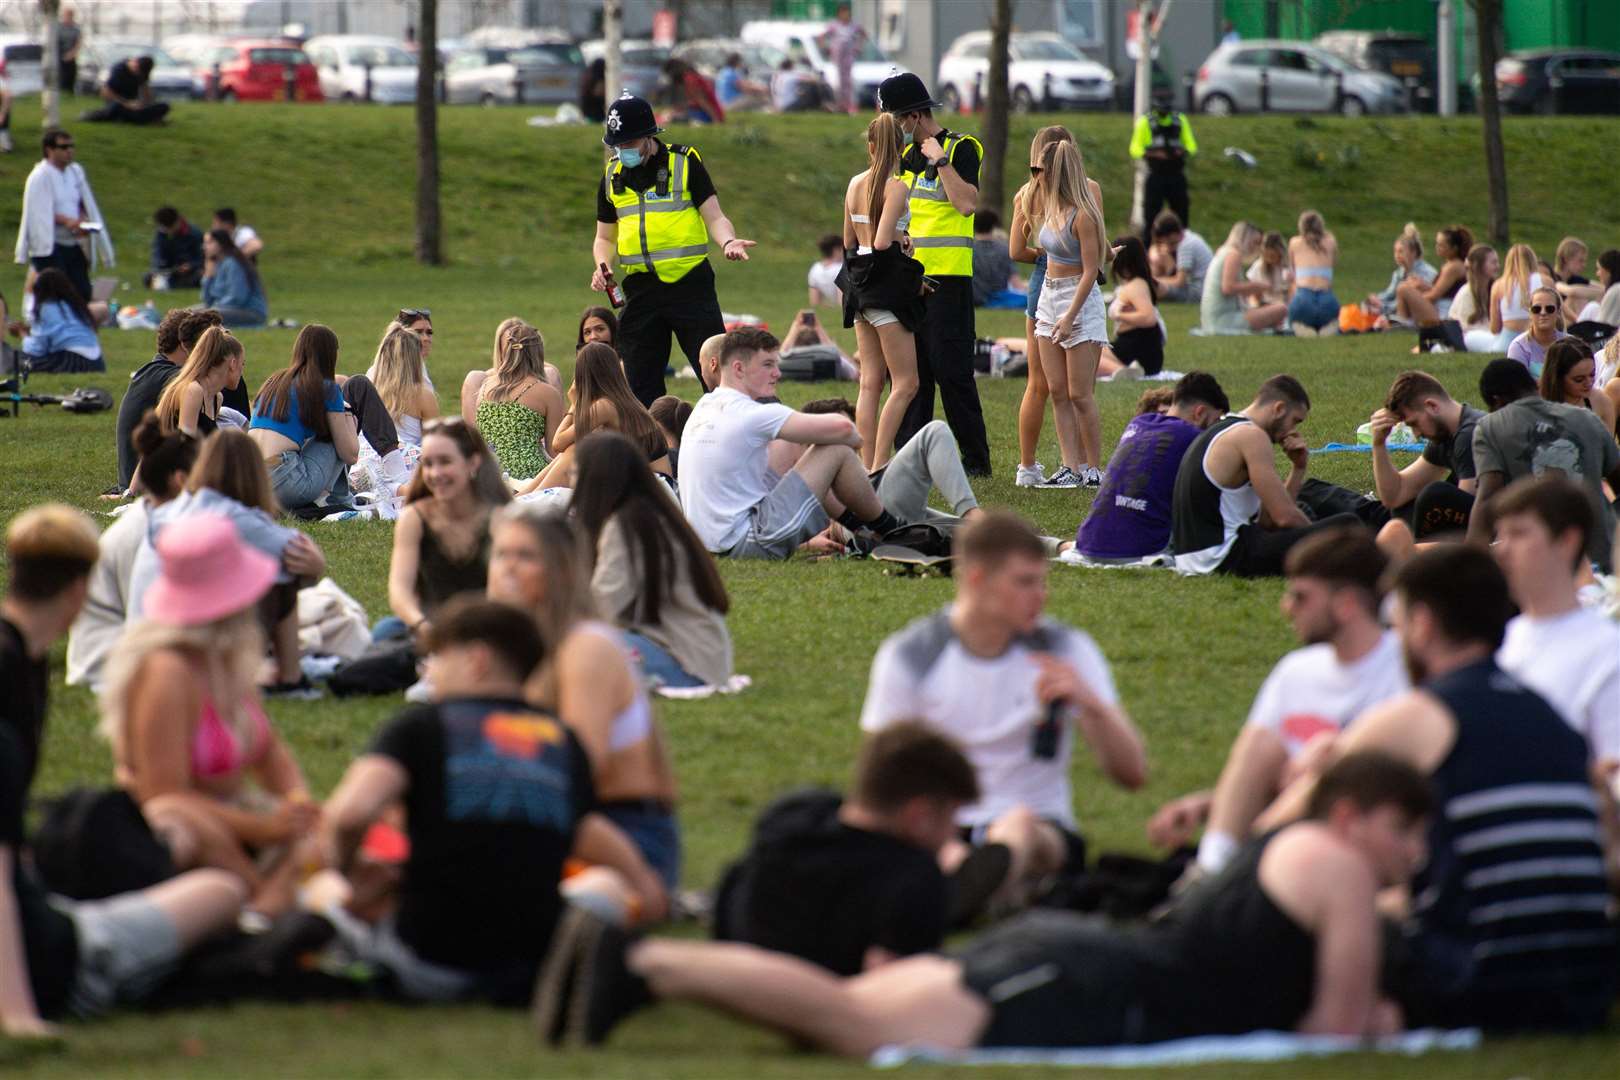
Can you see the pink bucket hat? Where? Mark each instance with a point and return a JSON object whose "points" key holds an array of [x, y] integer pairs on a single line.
{"points": [[208, 573]]}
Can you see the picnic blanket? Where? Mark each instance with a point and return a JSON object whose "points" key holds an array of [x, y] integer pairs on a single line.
{"points": [[1256, 1046], [1362, 448]]}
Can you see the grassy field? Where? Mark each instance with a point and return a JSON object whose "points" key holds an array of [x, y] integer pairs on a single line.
{"points": [[331, 191]]}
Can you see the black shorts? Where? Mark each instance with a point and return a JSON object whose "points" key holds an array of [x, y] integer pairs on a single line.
{"points": [[1056, 978], [1074, 845]]}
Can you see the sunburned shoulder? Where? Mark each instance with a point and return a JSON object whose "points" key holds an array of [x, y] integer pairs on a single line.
{"points": [[1311, 858]]}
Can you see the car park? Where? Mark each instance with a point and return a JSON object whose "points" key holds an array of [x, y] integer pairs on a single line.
{"points": [[1552, 81], [1268, 75], [709, 55], [255, 69], [171, 80], [641, 70], [537, 74], [22, 62], [1411, 58], [360, 67], [803, 42], [1044, 71]]}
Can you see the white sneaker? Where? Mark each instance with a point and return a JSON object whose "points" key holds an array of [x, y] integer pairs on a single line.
{"points": [[1065, 477], [1031, 475], [1091, 476]]}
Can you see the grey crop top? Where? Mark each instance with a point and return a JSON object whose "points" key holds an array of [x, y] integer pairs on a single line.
{"points": [[1061, 248]]}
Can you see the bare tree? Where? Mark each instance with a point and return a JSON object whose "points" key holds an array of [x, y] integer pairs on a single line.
{"points": [[993, 171], [50, 95], [429, 246], [1488, 22]]}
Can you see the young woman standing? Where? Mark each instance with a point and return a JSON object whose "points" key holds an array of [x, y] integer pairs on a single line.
{"points": [[1070, 326], [882, 290], [1022, 245]]}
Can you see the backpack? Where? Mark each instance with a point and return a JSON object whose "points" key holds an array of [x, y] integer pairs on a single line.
{"points": [[95, 843], [1447, 333], [810, 363], [799, 812]]}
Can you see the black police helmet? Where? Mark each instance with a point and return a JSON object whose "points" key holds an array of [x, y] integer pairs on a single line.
{"points": [[628, 119], [905, 93]]}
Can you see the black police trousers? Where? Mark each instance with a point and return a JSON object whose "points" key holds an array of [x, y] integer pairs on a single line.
{"points": [[650, 316], [1162, 189], [945, 357]]}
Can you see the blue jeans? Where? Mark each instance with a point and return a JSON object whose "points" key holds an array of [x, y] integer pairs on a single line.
{"points": [[1036, 278], [657, 665], [654, 832], [1314, 308], [300, 477]]}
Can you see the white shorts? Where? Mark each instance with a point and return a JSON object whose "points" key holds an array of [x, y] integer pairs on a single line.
{"points": [[877, 316], [1090, 323]]}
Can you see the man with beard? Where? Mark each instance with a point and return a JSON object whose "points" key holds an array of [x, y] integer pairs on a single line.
{"points": [[1435, 492], [1348, 664], [1231, 513], [1508, 925]]}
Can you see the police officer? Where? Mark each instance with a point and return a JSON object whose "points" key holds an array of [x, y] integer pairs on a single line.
{"points": [[1164, 138], [656, 211], [942, 169]]}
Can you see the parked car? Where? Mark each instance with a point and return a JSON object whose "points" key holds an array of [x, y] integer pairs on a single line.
{"points": [[540, 74], [1043, 72], [802, 42], [1298, 77], [344, 60], [641, 70], [255, 69], [1559, 81], [171, 80], [22, 63], [1411, 58], [709, 55]]}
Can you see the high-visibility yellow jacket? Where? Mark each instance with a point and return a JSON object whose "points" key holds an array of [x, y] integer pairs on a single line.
{"points": [[942, 234], [660, 231]]}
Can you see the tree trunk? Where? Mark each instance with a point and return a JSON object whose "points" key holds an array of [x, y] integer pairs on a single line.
{"points": [[50, 96], [612, 51], [1488, 22], [993, 170], [429, 247]]}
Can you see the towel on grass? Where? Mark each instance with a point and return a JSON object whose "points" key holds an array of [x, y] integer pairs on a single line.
{"points": [[1255, 1046]]}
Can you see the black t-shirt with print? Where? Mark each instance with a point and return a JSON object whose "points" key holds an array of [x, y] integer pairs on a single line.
{"points": [[23, 682], [495, 793]]}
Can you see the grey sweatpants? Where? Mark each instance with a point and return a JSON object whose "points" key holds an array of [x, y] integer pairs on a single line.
{"points": [[930, 459]]}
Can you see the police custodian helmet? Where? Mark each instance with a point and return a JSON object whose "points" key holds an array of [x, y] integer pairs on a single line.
{"points": [[904, 93], [628, 119]]}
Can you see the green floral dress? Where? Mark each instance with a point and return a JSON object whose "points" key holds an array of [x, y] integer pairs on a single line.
{"points": [[516, 435]]}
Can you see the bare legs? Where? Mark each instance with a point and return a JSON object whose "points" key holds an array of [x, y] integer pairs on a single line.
{"points": [[1080, 363], [837, 471], [1032, 409], [199, 904], [886, 351], [919, 1000], [1063, 414], [1266, 316], [1413, 306]]}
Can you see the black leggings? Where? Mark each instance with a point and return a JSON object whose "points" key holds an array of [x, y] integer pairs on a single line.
{"points": [[1259, 552], [375, 423]]}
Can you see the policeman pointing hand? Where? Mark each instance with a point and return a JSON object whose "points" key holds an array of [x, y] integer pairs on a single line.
{"points": [[656, 213]]}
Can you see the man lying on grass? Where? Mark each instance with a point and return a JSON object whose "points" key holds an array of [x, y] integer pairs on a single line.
{"points": [[1285, 938]]}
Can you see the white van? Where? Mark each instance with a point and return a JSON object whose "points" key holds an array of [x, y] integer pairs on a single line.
{"points": [[803, 43]]}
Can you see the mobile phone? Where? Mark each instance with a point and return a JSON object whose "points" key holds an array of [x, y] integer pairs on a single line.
{"points": [[930, 284], [809, 318]]}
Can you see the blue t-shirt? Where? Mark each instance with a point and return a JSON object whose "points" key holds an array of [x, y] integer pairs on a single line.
{"points": [[294, 427], [1130, 517], [725, 86]]}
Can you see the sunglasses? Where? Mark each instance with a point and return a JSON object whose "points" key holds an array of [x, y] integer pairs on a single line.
{"points": [[62, 146], [1543, 309], [411, 313], [1034, 170]]}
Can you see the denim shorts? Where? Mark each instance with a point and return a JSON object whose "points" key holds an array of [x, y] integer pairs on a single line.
{"points": [[1314, 308], [654, 832], [1036, 277]]}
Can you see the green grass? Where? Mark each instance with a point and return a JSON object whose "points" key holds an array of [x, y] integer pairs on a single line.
{"points": [[331, 190]]}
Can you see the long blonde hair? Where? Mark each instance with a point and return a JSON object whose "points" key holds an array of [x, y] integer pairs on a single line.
{"points": [[1063, 186], [216, 346], [1520, 263], [397, 371], [883, 145], [1241, 236], [1313, 230], [231, 649], [1568, 248], [1030, 192], [519, 356]]}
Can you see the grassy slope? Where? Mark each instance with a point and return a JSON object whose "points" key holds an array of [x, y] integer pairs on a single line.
{"points": [[331, 190]]}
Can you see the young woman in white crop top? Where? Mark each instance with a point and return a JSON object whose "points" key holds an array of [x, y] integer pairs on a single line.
{"points": [[877, 213], [1510, 296]]}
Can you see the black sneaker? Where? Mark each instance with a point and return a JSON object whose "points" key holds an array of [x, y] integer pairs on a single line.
{"points": [[975, 882], [605, 990], [302, 690], [555, 982]]}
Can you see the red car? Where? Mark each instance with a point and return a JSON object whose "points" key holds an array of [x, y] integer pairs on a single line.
{"points": [[256, 70]]}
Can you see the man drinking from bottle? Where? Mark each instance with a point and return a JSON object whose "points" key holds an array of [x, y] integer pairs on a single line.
{"points": [[1015, 690], [656, 211]]}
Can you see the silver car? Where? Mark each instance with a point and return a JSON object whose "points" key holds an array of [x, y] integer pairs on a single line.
{"points": [[539, 74], [1296, 76], [642, 72]]}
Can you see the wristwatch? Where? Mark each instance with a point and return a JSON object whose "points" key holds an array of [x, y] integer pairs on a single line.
{"points": [[941, 163]]}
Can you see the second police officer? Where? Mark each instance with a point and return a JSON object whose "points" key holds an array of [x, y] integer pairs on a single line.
{"points": [[656, 213]]}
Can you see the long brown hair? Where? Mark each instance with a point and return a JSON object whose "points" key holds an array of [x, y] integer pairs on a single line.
{"points": [[1313, 230], [883, 146], [231, 463], [1562, 356], [314, 364], [599, 376], [519, 357], [487, 485], [1479, 283], [217, 346], [616, 483], [567, 569]]}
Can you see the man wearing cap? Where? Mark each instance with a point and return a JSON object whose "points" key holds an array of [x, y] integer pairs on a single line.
{"points": [[942, 169], [1164, 139], [656, 210]]}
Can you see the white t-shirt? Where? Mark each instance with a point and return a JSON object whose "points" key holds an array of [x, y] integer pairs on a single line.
{"points": [[1310, 691], [824, 279], [987, 705], [65, 198], [1572, 660], [243, 234], [724, 471]]}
